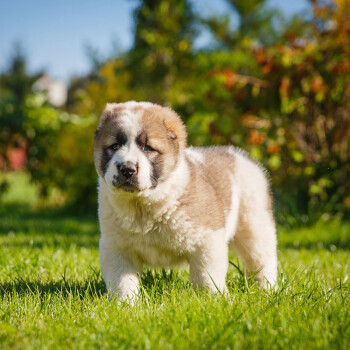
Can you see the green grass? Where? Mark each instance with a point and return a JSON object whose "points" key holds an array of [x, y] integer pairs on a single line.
{"points": [[53, 296]]}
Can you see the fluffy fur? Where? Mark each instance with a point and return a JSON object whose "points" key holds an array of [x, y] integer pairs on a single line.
{"points": [[162, 204]]}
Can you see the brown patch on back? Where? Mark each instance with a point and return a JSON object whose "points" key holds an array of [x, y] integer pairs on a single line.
{"points": [[207, 198]]}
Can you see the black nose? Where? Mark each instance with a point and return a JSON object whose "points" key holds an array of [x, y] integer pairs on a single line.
{"points": [[127, 170]]}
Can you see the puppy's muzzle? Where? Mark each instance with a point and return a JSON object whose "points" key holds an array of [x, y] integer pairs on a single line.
{"points": [[127, 170]]}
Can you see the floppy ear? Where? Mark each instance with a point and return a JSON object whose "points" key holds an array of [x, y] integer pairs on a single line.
{"points": [[107, 112], [98, 131], [175, 127]]}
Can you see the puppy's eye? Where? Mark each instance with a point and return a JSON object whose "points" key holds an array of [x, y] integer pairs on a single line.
{"points": [[115, 146], [148, 148]]}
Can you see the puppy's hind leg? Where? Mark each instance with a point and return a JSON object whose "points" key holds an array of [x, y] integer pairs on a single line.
{"points": [[255, 242]]}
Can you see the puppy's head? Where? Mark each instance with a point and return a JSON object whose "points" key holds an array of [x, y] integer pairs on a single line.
{"points": [[137, 145]]}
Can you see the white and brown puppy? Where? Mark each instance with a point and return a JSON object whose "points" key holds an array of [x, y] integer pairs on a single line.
{"points": [[161, 204]]}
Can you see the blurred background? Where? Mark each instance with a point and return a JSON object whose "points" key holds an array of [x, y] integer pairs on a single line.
{"points": [[271, 77]]}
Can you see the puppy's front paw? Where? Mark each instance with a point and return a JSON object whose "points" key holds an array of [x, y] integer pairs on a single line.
{"points": [[126, 297]]}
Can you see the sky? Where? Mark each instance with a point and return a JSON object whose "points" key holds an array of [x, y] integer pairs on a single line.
{"points": [[55, 34]]}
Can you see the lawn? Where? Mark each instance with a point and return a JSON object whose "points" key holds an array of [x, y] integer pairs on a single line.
{"points": [[53, 296]]}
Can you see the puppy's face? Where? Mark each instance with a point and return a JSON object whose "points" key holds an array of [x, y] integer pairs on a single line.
{"points": [[137, 145]]}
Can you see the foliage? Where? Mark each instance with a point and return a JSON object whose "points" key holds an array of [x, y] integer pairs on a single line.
{"points": [[55, 143], [310, 141], [59, 154], [278, 88], [15, 84], [253, 21], [288, 104], [162, 51]]}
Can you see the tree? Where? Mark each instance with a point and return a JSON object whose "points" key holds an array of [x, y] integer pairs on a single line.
{"points": [[15, 85], [162, 50], [250, 22]]}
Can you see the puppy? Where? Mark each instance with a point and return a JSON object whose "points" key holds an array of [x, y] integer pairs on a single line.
{"points": [[162, 204]]}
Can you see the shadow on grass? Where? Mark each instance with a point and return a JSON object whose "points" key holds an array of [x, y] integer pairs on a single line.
{"points": [[17, 216], [154, 283], [157, 282], [65, 242], [93, 285], [60, 288]]}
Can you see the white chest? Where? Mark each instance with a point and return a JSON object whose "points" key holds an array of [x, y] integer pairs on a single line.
{"points": [[156, 236]]}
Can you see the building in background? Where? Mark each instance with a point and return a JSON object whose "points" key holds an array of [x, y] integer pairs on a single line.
{"points": [[55, 90]]}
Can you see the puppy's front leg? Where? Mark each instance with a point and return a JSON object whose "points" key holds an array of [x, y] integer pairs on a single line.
{"points": [[208, 265], [119, 273]]}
